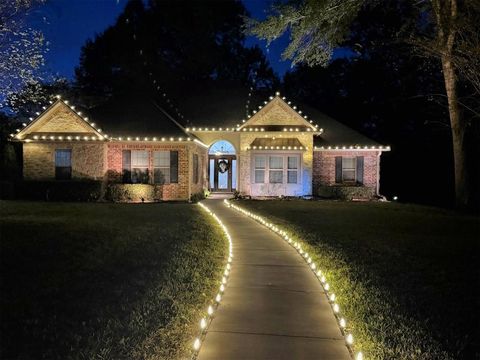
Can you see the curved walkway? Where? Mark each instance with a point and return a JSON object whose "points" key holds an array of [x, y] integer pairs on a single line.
{"points": [[273, 307]]}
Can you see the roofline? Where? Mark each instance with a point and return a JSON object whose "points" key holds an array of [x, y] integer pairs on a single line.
{"points": [[46, 109], [283, 100], [353, 148]]}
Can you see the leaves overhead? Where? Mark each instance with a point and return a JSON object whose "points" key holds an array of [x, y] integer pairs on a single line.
{"points": [[21, 47]]}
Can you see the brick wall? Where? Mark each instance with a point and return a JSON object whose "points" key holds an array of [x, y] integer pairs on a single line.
{"points": [[39, 160], [177, 191], [324, 169]]}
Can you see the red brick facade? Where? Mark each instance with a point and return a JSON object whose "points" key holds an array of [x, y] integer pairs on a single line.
{"points": [[175, 191], [324, 170]]}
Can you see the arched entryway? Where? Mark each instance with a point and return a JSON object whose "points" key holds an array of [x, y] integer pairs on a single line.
{"points": [[222, 167]]}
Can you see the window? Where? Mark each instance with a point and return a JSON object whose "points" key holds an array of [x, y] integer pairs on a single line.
{"points": [[276, 170], [161, 167], [139, 164], [348, 169], [63, 164], [292, 170], [259, 169], [195, 168]]}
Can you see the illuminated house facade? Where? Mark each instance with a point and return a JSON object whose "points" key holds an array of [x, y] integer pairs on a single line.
{"points": [[276, 151]]}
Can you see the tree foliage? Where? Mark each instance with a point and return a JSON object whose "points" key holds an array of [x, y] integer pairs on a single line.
{"points": [[177, 46], [21, 47], [445, 30]]}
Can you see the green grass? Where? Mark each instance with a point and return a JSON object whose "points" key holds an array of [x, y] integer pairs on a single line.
{"points": [[105, 281], [406, 277]]}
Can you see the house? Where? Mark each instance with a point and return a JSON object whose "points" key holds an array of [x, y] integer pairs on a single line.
{"points": [[139, 148]]}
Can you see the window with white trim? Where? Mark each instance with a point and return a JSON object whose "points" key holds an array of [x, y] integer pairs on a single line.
{"points": [[161, 167], [139, 165], [260, 169], [292, 170], [348, 169], [275, 174]]}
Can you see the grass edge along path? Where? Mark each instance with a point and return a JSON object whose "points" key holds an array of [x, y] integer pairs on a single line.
{"points": [[207, 319], [382, 330], [183, 273], [299, 246]]}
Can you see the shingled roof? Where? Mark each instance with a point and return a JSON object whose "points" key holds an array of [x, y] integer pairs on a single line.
{"points": [[135, 115], [334, 132], [222, 105]]}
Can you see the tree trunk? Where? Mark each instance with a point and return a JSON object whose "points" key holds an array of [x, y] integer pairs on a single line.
{"points": [[458, 126]]}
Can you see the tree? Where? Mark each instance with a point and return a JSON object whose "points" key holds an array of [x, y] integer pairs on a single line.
{"points": [[444, 28], [179, 43], [21, 47]]}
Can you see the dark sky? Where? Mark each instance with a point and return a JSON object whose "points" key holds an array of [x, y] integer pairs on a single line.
{"points": [[67, 24]]}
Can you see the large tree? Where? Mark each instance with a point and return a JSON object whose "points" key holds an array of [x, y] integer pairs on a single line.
{"points": [[21, 48], [445, 29], [174, 43]]}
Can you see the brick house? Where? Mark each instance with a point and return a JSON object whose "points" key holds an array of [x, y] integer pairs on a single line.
{"points": [[139, 147]]}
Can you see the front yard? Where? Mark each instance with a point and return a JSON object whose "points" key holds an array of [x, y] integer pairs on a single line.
{"points": [[105, 281], [406, 277]]}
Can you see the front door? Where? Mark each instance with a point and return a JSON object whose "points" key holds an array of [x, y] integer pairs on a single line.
{"points": [[222, 172]]}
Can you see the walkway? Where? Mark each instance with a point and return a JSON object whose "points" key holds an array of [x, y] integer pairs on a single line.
{"points": [[273, 306]]}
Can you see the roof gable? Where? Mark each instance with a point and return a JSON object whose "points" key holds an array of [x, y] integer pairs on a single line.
{"points": [[59, 118], [277, 112]]}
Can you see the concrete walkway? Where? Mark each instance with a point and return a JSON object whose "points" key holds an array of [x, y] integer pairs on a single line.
{"points": [[273, 306]]}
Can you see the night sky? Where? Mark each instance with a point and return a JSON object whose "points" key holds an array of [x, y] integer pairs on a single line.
{"points": [[67, 24]]}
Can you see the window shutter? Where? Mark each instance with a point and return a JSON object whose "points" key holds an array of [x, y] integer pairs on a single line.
{"points": [[338, 169], [360, 169], [174, 166], [126, 166]]}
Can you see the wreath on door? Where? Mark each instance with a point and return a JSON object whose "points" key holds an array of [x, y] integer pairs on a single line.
{"points": [[222, 166]]}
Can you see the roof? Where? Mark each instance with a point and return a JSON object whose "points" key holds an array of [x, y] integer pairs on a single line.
{"points": [[217, 106], [276, 144], [334, 132], [133, 116], [225, 106]]}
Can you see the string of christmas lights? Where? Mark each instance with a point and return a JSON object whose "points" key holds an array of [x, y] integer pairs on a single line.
{"points": [[207, 319], [320, 275]]}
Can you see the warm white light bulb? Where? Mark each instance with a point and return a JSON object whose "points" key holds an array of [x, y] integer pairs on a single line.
{"points": [[332, 297], [196, 344], [359, 356], [336, 308], [343, 323], [203, 323], [218, 298], [210, 310], [349, 339]]}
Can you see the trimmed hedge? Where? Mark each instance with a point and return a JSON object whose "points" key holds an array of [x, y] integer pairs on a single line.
{"points": [[345, 192], [132, 193]]}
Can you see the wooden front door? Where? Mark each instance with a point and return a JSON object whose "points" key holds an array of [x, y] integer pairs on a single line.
{"points": [[222, 168]]}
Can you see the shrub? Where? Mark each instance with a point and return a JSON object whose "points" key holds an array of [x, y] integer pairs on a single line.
{"points": [[71, 190], [131, 192], [197, 197]]}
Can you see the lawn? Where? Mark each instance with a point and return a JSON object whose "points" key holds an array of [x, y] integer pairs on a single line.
{"points": [[105, 281], [406, 277]]}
